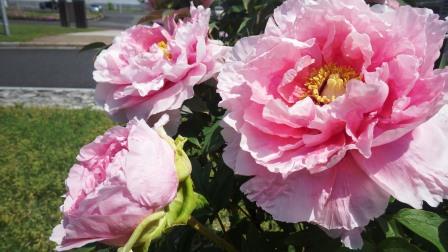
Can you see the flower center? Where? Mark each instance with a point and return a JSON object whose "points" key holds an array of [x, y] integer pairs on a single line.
{"points": [[166, 52], [328, 82]]}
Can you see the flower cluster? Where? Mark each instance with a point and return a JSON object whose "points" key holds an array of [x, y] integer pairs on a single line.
{"points": [[133, 173], [150, 70], [335, 108]]}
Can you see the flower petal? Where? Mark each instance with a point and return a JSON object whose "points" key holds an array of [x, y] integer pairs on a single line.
{"points": [[413, 169], [342, 197], [150, 172]]}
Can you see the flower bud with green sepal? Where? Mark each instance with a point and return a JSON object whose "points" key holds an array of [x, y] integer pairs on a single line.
{"points": [[178, 212]]}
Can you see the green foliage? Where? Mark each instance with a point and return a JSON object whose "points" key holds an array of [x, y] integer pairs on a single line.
{"points": [[427, 225], [38, 147], [242, 18], [443, 59]]}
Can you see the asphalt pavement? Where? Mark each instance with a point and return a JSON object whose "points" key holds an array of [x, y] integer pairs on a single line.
{"points": [[111, 20], [115, 20], [55, 66], [46, 67]]}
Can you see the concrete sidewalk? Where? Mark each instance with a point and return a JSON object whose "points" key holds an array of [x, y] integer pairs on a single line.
{"points": [[78, 39], [48, 97]]}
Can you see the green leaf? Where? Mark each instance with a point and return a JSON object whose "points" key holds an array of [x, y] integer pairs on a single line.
{"points": [[243, 24], [88, 248], [428, 225], [389, 227], [92, 46], [444, 59], [246, 4], [194, 141], [196, 104], [397, 244], [152, 16], [314, 239], [201, 201], [212, 138], [221, 188], [254, 241]]}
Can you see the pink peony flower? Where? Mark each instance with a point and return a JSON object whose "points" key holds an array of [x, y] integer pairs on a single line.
{"points": [[120, 178], [332, 111], [152, 69]]}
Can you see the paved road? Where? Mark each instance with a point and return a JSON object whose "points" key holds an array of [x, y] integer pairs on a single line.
{"points": [[111, 20], [40, 67], [114, 20]]}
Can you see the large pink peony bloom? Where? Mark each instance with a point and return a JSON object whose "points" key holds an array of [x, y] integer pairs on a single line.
{"points": [[152, 69], [332, 111], [120, 178]]}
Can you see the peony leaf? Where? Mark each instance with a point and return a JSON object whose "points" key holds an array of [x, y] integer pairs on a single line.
{"points": [[94, 45], [212, 138], [397, 244], [246, 4], [390, 227], [201, 201], [243, 24], [443, 59], [196, 104], [428, 225], [194, 141], [89, 248], [151, 17]]}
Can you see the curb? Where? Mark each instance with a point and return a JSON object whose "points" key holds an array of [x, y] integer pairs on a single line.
{"points": [[9, 45], [73, 98]]}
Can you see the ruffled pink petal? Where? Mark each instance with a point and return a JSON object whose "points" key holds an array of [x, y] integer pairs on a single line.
{"points": [[254, 116], [59, 233], [296, 116], [413, 168], [241, 161], [426, 37], [107, 214], [354, 108], [342, 197]]}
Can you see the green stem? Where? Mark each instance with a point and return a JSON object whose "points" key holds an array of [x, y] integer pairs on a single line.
{"points": [[138, 231], [156, 233], [206, 232]]}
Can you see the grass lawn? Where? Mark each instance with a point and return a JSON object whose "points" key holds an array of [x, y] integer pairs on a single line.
{"points": [[38, 147], [28, 32]]}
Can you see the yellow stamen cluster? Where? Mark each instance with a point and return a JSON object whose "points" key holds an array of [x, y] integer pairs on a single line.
{"points": [[328, 82], [164, 47]]}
